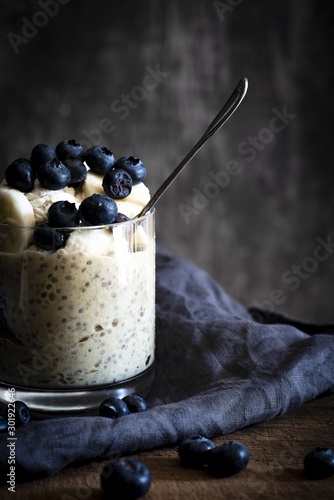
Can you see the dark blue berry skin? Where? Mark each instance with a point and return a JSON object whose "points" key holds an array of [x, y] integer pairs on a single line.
{"points": [[42, 153], [113, 408], [69, 150], [98, 209], [125, 478], [117, 183], [121, 218], [78, 172], [319, 463], [99, 159], [20, 175], [135, 403], [22, 413], [54, 175], [48, 238], [228, 459], [63, 214], [193, 452], [3, 424], [134, 166]]}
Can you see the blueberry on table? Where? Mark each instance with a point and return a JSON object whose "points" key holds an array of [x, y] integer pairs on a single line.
{"points": [[319, 463], [117, 183], [20, 175], [99, 159], [78, 171], [125, 478], [21, 410], [193, 452], [98, 209], [228, 459], [134, 166], [135, 403], [48, 238], [3, 424], [42, 153], [22, 413], [63, 214], [53, 175], [69, 150], [113, 408]]}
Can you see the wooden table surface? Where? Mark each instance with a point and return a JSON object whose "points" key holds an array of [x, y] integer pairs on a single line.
{"points": [[275, 469]]}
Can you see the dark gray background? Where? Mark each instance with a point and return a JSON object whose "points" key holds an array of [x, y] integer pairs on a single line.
{"points": [[258, 235]]}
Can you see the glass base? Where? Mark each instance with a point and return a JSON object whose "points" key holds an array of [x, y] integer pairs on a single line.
{"points": [[45, 402]]}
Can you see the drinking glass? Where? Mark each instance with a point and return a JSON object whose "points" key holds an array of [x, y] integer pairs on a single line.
{"points": [[77, 324]]}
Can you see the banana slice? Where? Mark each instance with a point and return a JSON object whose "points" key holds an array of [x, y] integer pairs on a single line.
{"points": [[16, 211], [135, 202], [91, 185]]}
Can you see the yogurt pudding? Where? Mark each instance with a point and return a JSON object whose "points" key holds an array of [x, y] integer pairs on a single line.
{"points": [[81, 315]]}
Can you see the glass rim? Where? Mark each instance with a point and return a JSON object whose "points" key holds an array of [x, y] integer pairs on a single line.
{"points": [[151, 212]]}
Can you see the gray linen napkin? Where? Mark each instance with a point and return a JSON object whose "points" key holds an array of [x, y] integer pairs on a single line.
{"points": [[219, 368]]}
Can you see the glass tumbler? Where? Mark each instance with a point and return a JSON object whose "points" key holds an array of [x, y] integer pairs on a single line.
{"points": [[77, 324]]}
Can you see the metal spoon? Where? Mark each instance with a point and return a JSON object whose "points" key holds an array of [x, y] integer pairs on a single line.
{"points": [[225, 113]]}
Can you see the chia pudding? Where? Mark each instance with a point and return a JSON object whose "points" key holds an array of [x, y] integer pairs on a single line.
{"points": [[77, 308], [77, 318]]}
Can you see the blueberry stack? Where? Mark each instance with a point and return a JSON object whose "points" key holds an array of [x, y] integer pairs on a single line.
{"points": [[95, 177]]}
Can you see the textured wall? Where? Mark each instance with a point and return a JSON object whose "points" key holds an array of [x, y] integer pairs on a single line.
{"points": [[255, 204]]}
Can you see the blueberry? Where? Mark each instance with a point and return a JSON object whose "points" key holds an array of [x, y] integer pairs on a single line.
{"points": [[228, 459], [78, 172], [319, 463], [22, 413], [69, 150], [134, 166], [121, 218], [135, 403], [63, 214], [113, 408], [125, 478], [193, 452], [3, 424], [98, 209], [117, 183], [99, 159], [20, 175], [42, 153], [53, 175], [48, 238]]}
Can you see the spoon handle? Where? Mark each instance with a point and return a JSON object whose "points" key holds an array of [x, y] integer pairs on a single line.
{"points": [[225, 113]]}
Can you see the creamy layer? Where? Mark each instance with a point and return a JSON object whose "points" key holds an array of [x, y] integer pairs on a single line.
{"points": [[78, 317]]}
